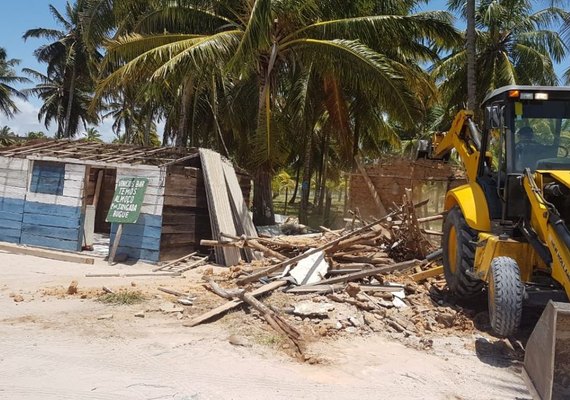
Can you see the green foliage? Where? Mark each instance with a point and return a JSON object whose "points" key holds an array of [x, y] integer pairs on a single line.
{"points": [[513, 47], [36, 135], [71, 64], [8, 78], [93, 135], [7, 136]]}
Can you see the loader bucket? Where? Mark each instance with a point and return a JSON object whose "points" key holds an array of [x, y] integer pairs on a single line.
{"points": [[547, 358]]}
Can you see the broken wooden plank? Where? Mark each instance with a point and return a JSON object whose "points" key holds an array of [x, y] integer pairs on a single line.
{"points": [[233, 304], [278, 323], [49, 254], [172, 292], [132, 275], [370, 272], [195, 264], [325, 246], [242, 219], [430, 273], [320, 289], [171, 263]]}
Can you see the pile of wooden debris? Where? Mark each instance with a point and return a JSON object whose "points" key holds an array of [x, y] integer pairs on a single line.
{"points": [[379, 276]]}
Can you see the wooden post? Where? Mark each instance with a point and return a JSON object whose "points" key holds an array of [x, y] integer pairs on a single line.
{"points": [[372, 189], [98, 188], [116, 244]]}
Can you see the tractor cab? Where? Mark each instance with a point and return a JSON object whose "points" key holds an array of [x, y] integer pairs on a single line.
{"points": [[524, 127]]}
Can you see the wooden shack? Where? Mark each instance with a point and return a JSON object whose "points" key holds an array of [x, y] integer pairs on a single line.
{"points": [[55, 194]]}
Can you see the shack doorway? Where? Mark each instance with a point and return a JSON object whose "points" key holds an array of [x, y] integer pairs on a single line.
{"points": [[99, 191]]}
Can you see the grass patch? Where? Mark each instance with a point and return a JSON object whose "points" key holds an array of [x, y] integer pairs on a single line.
{"points": [[122, 298]]}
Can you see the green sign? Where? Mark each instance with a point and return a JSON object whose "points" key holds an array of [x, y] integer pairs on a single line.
{"points": [[127, 201]]}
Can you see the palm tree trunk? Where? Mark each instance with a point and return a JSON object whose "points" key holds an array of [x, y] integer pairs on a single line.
{"points": [[67, 132], [297, 176], [263, 213], [185, 105], [306, 185], [323, 182], [471, 57], [148, 126]]}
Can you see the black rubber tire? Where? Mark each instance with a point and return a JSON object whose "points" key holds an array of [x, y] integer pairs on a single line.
{"points": [[505, 294], [458, 280]]}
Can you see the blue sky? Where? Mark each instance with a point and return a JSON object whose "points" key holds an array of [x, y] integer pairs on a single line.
{"points": [[20, 15]]}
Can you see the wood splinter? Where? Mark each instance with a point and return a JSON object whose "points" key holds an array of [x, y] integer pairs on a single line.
{"points": [[273, 319]]}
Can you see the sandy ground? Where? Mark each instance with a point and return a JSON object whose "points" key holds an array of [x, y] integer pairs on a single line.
{"points": [[63, 347]]}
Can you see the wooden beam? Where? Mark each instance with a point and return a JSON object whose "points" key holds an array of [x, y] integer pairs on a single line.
{"points": [[369, 272], [233, 304], [31, 149], [178, 160], [132, 275], [430, 273], [171, 263], [325, 246], [49, 254]]}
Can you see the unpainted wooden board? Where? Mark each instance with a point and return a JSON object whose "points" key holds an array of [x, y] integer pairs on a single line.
{"points": [[221, 218], [243, 222], [233, 304], [50, 254]]}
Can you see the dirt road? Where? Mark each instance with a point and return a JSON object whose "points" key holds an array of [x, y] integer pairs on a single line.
{"points": [[65, 347]]}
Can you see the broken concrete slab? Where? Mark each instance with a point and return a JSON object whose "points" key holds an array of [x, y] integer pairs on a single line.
{"points": [[311, 269], [312, 309]]}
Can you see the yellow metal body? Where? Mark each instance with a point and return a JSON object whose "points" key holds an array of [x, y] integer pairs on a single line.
{"points": [[458, 138], [560, 268], [491, 246], [471, 199]]}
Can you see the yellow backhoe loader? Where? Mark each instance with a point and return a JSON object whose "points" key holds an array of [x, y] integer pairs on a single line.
{"points": [[506, 230]]}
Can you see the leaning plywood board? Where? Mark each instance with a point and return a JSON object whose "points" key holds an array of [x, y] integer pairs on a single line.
{"points": [[219, 207], [242, 219]]}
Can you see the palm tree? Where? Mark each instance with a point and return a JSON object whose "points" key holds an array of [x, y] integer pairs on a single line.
{"points": [[250, 50], [36, 135], [514, 46], [92, 135], [7, 136], [68, 60], [52, 91], [7, 78]]}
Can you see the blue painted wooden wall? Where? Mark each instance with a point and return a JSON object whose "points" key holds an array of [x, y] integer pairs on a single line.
{"points": [[11, 215], [51, 225], [140, 240]]}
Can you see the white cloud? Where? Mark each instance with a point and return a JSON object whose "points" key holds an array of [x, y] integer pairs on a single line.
{"points": [[26, 120]]}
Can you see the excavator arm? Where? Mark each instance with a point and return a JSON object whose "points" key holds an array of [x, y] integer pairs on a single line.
{"points": [[551, 230], [465, 139]]}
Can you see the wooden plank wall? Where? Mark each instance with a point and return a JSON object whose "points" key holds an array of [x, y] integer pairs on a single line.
{"points": [[13, 183], [105, 196], [142, 240], [54, 221], [185, 218]]}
